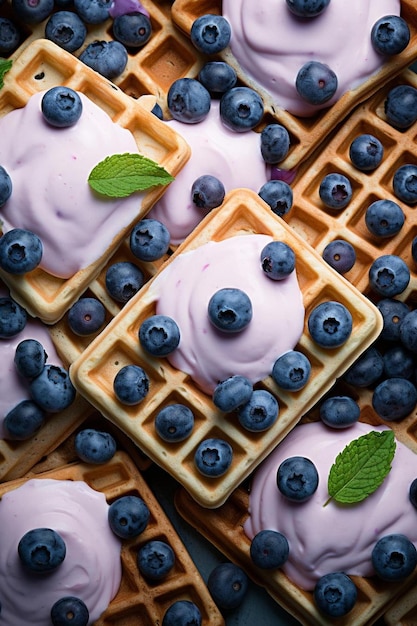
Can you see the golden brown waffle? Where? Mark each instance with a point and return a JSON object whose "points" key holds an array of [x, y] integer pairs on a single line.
{"points": [[136, 597], [40, 66], [151, 69], [404, 610], [117, 345], [318, 225], [306, 134], [223, 527]]}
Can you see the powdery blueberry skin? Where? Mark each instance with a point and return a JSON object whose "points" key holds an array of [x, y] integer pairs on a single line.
{"points": [[155, 559], [108, 58], [24, 420], [131, 385], [232, 393], [401, 106], [41, 550], [20, 251], [340, 255], [384, 218], [149, 240], [207, 192], [213, 457], [260, 412], [210, 34], [53, 390], [330, 324], [405, 183], [277, 260], [123, 280], [66, 29], [390, 35], [86, 316], [297, 478], [174, 422], [394, 557], [30, 358], [291, 371], [61, 107], [275, 143], [278, 194], [69, 606], [393, 312], [230, 310], [307, 8], [408, 330], [335, 594], [366, 152], [316, 82], [399, 362], [228, 585], [366, 370], [335, 191], [188, 100], [394, 398], [159, 335], [9, 36], [339, 411], [182, 612], [6, 186], [13, 317], [217, 77], [132, 29], [32, 12], [269, 549], [128, 516], [94, 446], [389, 275], [241, 109], [93, 11]]}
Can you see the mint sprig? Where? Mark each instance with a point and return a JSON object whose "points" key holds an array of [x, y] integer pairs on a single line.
{"points": [[5, 66], [120, 175], [361, 467]]}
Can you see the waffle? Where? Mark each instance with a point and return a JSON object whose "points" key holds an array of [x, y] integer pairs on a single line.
{"points": [[117, 345], [306, 134], [136, 596], [318, 225], [151, 69], [42, 65]]}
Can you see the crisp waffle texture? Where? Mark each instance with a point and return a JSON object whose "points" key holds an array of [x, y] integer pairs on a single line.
{"points": [[117, 345], [138, 599], [306, 134], [42, 65], [150, 69]]}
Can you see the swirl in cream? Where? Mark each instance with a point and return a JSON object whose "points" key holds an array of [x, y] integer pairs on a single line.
{"points": [[334, 537], [91, 569]]}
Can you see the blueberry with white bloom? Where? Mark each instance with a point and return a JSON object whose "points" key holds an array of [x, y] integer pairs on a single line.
{"points": [[394, 557], [316, 82], [131, 384], [149, 239], [94, 446], [260, 412], [241, 109], [20, 251], [188, 100], [128, 516], [213, 457], [159, 335], [297, 478], [210, 33], [69, 611], [291, 371], [335, 594], [230, 309]]}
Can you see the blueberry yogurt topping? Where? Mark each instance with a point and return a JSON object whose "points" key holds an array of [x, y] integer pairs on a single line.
{"points": [[278, 195], [275, 143], [53, 390], [207, 192], [277, 260], [307, 8], [13, 317], [149, 240]]}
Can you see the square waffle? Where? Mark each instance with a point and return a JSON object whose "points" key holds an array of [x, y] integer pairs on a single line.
{"points": [[40, 66], [117, 345], [137, 597], [308, 133]]}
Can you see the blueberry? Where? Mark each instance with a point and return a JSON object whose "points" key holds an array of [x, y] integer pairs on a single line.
{"points": [[30, 12], [277, 260], [414, 249], [366, 152], [275, 143], [339, 411], [66, 29], [131, 385], [330, 324], [297, 478], [108, 58], [316, 82], [30, 358], [399, 362], [93, 11], [213, 457], [123, 280], [335, 594], [69, 611], [61, 107], [269, 549], [340, 255], [413, 493], [400, 106], [389, 275], [217, 77], [390, 35], [384, 218], [394, 557], [159, 335], [335, 191], [24, 420], [53, 389], [393, 312], [20, 251], [132, 29], [230, 309], [86, 316], [155, 559], [278, 195], [260, 412], [94, 446], [128, 516], [5, 186], [188, 100], [207, 192], [182, 613], [9, 36], [13, 317], [307, 8], [366, 370], [210, 34], [405, 183], [232, 393], [291, 371], [174, 422], [408, 331], [394, 398], [228, 585], [149, 240], [241, 109], [41, 550]]}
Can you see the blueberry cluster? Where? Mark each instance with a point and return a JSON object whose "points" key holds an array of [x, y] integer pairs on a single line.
{"points": [[67, 24]]}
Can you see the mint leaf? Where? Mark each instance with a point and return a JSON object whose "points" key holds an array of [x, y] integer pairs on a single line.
{"points": [[361, 467], [5, 66], [120, 175]]}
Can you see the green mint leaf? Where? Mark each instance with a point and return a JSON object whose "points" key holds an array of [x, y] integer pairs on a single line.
{"points": [[5, 66], [120, 175], [361, 467]]}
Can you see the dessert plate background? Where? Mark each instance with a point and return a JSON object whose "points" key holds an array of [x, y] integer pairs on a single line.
{"points": [[137, 597], [41, 66], [308, 133], [117, 345]]}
